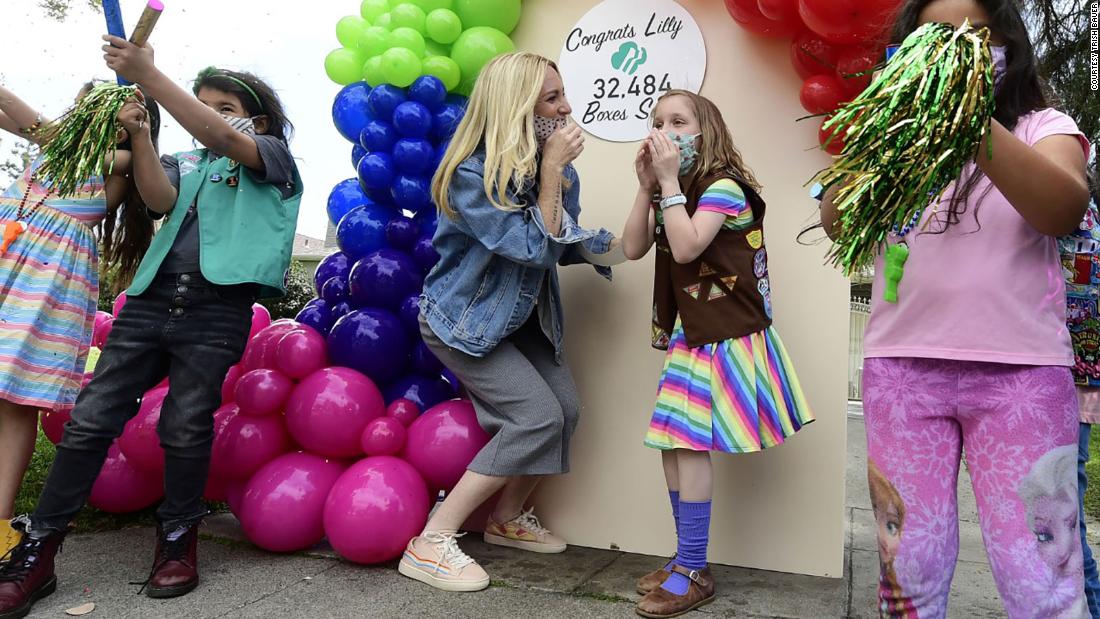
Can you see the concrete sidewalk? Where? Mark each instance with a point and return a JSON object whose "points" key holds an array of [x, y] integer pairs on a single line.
{"points": [[241, 581]]}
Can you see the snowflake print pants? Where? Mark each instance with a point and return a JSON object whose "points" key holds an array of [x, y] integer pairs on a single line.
{"points": [[1018, 427]]}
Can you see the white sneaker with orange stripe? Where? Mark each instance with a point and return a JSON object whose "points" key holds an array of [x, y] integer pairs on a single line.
{"points": [[435, 559], [523, 532]]}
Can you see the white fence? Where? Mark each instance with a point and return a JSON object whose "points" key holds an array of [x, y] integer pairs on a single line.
{"points": [[860, 311]]}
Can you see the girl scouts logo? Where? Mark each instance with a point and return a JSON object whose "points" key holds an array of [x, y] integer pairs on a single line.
{"points": [[629, 57]]}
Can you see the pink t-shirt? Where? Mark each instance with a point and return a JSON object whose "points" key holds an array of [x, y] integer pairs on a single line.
{"points": [[988, 289]]}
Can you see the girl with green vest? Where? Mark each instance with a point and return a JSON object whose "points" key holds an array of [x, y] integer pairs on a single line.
{"points": [[230, 210]]}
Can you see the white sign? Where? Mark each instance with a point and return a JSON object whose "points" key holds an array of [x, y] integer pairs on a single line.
{"points": [[621, 56]]}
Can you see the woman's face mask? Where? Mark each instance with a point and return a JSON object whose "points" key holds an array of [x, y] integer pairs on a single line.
{"points": [[688, 154], [545, 127], [1000, 64], [243, 125]]}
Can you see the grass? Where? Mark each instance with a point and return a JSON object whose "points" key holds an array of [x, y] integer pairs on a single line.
{"points": [[1092, 495]]}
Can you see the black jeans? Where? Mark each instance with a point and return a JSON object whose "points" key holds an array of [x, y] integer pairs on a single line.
{"points": [[182, 327]]}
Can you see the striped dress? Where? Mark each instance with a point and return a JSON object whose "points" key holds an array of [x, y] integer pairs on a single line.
{"points": [[738, 395], [49, 286]]}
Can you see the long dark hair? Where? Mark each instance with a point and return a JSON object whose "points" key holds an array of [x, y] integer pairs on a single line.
{"points": [[127, 230], [1021, 90], [255, 95]]}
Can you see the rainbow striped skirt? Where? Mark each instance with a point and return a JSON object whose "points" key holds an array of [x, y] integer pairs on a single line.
{"points": [[49, 285], [736, 396]]}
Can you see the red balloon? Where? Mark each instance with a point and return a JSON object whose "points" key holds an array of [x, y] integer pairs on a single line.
{"points": [[747, 13], [852, 61], [813, 55], [822, 94], [837, 144], [215, 489], [53, 423], [848, 21], [783, 11]]}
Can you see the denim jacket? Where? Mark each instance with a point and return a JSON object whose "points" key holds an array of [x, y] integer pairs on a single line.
{"points": [[493, 262]]}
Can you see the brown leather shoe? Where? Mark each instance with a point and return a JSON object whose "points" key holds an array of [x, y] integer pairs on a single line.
{"points": [[660, 603], [176, 567], [27, 574], [652, 580]]}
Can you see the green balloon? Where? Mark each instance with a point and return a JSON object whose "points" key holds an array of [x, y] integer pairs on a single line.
{"points": [[409, 39], [371, 10], [500, 14], [443, 26], [408, 16], [343, 66], [396, 3], [477, 46], [430, 5], [445, 69], [384, 21], [372, 72], [374, 41], [400, 66], [350, 29], [431, 48]]}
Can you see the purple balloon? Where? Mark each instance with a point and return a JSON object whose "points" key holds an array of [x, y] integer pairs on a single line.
{"points": [[410, 315], [428, 90], [371, 341], [335, 290], [425, 392], [424, 360], [413, 193], [383, 100], [335, 264], [284, 502], [377, 137], [412, 156], [427, 221], [340, 310], [450, 377], [384, 278], [412, 120], [425, 255], [316, 315], [401, 233], [363, 230]]}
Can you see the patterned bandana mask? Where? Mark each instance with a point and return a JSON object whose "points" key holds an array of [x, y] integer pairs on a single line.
{"points": [[241, 125], [545, 127], [687, 149]]}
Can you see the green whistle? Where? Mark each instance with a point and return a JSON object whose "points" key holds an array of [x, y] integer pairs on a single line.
{"points": [[896, 255]]}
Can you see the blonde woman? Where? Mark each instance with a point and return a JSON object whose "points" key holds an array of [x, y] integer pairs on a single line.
{"points": [[491, 309]]}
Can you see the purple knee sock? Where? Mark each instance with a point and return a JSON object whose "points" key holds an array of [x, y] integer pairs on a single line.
{"points": [[693, 533]]}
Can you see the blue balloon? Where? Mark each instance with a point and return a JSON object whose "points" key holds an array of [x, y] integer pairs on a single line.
{"points": [[411, 192], [410, 315], [357, 153], [424, 391], [384, 278], [376, 171], [412, 120], [445, 121], [381, 196], [401, 233], [425, 255], [335, 264], [384, 100], [371, 341], [424, 360], [428, 90], [456, 99], [428, 221], [317, 315], [335, 290], [349, 110], [451, 379], [363, 230], [345, 196], [413, 156], [340, 310], [378, 136]]}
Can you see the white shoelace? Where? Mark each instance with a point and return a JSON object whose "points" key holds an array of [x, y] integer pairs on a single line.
{"points": [[446, 544], [528, 521]]}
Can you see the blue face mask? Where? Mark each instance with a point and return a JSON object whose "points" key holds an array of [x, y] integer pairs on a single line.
{"points": [[688, 154]]}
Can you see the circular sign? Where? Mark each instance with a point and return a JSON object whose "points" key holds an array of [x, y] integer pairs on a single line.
{"points": [[621, 56]]}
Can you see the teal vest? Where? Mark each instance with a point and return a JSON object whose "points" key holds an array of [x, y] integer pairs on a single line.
{"points": [[246, 231]]}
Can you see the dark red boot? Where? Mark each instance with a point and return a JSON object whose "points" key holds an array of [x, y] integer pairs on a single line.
{"points": [[27, 574], [176, 567]]}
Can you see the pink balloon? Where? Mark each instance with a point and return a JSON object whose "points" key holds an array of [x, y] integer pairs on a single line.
{"points": [[405, 411], [443, 441], [215, 489], [262, 392], [284, 502], [139, 441], [384, 436], [102, 328], [223, 415], [300, 353], [53, 423], [261, 318], [246, 443], [374, 509], [120, 301], [260, 352], [229, 385], [234, 492], [328, 410], [121, 487]]}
